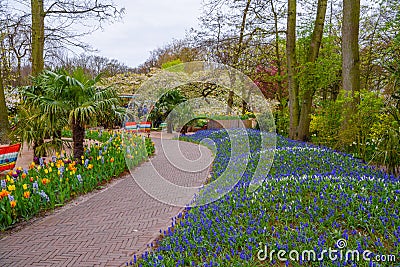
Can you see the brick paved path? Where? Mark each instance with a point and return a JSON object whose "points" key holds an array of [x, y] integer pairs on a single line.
{"points": [[110, 226]]}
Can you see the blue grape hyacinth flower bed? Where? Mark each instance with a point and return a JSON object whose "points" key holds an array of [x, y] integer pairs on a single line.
{"points": [[316, 207]]}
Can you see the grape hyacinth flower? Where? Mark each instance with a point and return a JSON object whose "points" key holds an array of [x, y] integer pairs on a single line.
{"points": [[35, 186], [44, 196], [61, 169]]}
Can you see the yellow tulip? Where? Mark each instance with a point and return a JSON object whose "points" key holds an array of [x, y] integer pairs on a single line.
{"points": [[11, 187]]}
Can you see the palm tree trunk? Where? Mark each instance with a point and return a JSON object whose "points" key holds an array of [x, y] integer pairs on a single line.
{"points": [[78, 136], [38, 152]]}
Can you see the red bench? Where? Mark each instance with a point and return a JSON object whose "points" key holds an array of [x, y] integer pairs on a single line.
{"points": [[131, 125], [145, 126], [8, 156]]}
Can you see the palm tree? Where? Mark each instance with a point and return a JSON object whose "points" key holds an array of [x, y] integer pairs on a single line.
{"points": [[165, 105], [73, 97]]}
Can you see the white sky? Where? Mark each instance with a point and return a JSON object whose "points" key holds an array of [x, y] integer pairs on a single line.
{"points": [[146, 25]]}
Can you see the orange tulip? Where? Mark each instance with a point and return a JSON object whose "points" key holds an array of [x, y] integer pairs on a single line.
{"points": [[27, 194], [45, 181], [13, 203], [4, 193]]}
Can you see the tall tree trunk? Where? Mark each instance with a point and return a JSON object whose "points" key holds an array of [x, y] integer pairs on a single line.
{"points": [[293, 86], [170, 126], [350, 46], [350, 59], [303, 131], [238, 52], [4, 126], [230, 102], [37, 36], [277, 54], [78, 136], [245, 100]]}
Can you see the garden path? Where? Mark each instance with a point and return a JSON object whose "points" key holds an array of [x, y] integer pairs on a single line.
{"points": [[105, 228]]}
